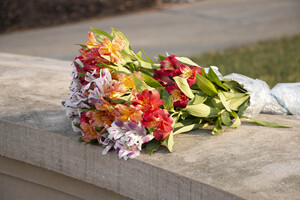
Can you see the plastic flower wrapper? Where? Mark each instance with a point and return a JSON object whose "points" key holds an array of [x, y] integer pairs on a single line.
{"points": [[124, 102]]}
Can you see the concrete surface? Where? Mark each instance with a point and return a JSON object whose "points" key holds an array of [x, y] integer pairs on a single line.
{"points": [[250, 162], [20, 181], [183, 30]]}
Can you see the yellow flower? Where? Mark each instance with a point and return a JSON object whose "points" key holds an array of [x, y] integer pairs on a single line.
{"points": [[92, 43], [112, 49]]}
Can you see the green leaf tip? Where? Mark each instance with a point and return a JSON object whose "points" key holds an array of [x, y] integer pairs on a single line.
{"points": [[268, 124]]}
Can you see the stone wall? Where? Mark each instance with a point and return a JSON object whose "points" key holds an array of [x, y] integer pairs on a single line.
{"points": [[250, 162]]}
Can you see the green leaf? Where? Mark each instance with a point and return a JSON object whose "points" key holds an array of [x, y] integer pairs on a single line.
{"points": [[100, 32], [126, 97], [93, 141], [223, 100], [203, 73], [237, 121], [214, 78], [199, 98], [218, 127], [123, 70], [205, 85], [235, 103], [243, 107], [152, 146], [106, 57], [103, 65], [82, 75], [168, 101], [201, 110], [149, 59], [187, 61], [87, 109], [184, 86], [83, 46], [215, 102], [140, 85], [232, 95], [139, 54], [126, 58], [152, 82], [170, 142], [161, 58], [185, 126], [146, 65], [122, 101], [77, 125], [234, 86], [225, 117], [98, 128], [268, 124]]}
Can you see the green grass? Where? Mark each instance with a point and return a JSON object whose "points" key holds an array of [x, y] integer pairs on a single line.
{"points": [[275, 61]]}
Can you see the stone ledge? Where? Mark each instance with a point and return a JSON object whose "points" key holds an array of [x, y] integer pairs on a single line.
{"points": [[250, 162], [135, 178], [24, 181]]}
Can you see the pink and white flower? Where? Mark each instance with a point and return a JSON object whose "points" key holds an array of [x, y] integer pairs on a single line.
{"points": [[126, 138]]}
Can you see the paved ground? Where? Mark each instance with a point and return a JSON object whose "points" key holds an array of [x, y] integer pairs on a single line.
{"points": [[183, 30]]}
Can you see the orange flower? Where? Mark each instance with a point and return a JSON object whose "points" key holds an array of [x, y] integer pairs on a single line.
{"points": [[100, 118], [92, 43], [112, 49], [126, 80], [115, 90], [88, 130], [124, 113]]}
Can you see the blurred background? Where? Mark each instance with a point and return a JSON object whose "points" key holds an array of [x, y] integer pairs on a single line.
{"points": [[257, 38]]}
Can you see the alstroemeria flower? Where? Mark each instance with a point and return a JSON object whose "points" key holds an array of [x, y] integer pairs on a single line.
{"points": [[88, 131], [180, 100], [126, 80], [89, 63], [171, 63], [96, 86], [126, 138], [100, 118], [127, 113], [115, 90], [112, 49], [148, 100], [172, 67], [163, 77], [188, 72], [92, 42], [161, 120]]}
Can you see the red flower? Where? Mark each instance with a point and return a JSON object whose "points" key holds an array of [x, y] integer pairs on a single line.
{"points": [[188, 72], [180, 100], [89, 62], [172, 67], [167, 68], [161, 120], [148, 100], [171, 63], [163, 77]]}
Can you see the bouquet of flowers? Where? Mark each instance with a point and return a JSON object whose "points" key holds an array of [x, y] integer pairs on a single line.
{"points": [[124, 102]]}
